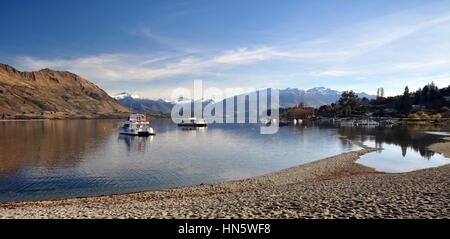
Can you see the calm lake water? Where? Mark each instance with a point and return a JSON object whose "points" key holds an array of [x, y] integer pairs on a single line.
{"points": [[60, 159]]}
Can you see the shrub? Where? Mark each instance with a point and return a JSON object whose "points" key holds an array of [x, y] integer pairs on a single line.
{"points": [[424, 116], [436, 116], [413, 116]]}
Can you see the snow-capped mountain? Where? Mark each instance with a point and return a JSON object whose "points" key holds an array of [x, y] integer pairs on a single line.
{"points": [[138, 104], [124, 95], [289, 97], [314, 97], [184, 100]]}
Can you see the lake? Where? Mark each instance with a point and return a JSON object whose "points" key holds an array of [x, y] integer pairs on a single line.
{"points": [[69, 158]]}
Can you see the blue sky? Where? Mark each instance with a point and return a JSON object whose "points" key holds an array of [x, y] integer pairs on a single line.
{"points": [[150, 47]]}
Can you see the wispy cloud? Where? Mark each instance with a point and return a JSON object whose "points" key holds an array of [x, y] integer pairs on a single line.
{"points": [[333, 73], [405, 45], [146, 68], [389, 34], [422, 65], [169, 42], [245, 56]]}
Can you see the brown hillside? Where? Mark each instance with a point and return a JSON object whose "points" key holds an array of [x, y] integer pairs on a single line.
{"points": [[53, 94]]}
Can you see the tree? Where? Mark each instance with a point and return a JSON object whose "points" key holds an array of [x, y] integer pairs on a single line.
{"points": [[405, 102], [326, 111], [347, 110], [301, 113], [349, 101], [365, 103], [380, 93]]}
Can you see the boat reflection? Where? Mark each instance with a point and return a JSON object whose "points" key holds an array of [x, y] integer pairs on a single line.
{"points": [[136, 144], [193, 129]]}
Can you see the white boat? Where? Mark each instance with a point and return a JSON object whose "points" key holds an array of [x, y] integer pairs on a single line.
{"points": [[265, 121], [136, 125], [387, 122], [348, 123], [192, 122], [368, 122]]}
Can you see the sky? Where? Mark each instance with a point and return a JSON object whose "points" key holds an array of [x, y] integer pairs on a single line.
{"points": [[148, 48]]}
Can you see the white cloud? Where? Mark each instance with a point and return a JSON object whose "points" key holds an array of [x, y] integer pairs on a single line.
{"points": [[115, 67], [333, 73], [244, 55]]}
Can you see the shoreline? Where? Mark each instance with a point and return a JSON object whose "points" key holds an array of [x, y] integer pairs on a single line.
{"points": [[79, 118], [442, 147], [58, 119], [242, 198]]}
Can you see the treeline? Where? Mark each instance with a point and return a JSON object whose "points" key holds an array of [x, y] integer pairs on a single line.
{"points": [[297, 112], [426, 101], [430, 98]]}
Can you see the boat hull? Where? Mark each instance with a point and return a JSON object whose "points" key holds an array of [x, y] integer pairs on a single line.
{"points": [[191, 125], [137, 132], [145, 134]]}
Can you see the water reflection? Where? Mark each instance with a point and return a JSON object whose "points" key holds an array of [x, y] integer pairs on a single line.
{"points": [[56, 159], [405, 148], [193, 130], [51, 144], [407, 138], [134, 143]]}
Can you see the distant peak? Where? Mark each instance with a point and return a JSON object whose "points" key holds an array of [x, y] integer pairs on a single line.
{"points": [[293, 89], [322, 90], [124, 94]]}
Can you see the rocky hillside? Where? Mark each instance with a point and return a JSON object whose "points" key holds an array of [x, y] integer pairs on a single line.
{"points": [[53, 94]]}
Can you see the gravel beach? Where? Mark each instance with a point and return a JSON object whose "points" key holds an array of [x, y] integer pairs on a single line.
{"points": [[334, 187]]}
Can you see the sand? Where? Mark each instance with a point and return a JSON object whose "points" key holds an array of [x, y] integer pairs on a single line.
{"points": [[335, 187], [443, 148]]}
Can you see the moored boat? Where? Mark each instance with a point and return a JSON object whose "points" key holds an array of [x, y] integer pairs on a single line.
{"points": [[348, 123], [136, 125], [368, 122], [192, 122]]}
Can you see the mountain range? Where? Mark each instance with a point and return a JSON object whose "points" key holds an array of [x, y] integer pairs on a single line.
{"points": [[144, 105], [289, 97], [53, 94], [314, 97], [61, 94]]}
